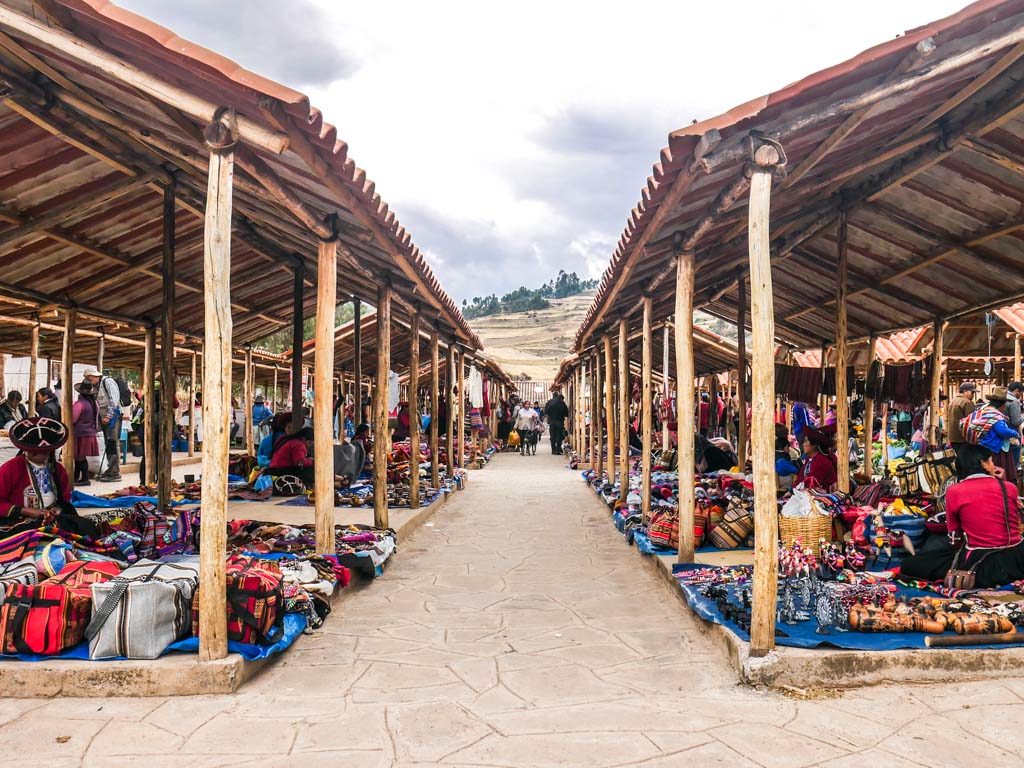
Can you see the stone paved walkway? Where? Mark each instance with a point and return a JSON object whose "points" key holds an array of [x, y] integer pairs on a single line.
{"points": [[518, 629]]}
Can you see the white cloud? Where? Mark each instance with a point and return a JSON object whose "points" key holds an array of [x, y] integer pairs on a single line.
{"points": [[513, 139]]}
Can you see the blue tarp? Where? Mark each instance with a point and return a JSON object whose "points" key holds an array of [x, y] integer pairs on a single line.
{"points": [[85, 501], [294, 625], [804, 634], [643, 543]]}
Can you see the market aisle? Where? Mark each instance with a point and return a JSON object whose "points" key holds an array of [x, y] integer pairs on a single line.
{"points": [[519, 629]]}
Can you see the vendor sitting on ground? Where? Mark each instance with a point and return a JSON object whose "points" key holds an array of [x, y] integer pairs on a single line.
{"points": [[710, 457], [290, 455], [983, 519], [363, 436], [33, 482], [819, 467], [278, 427]]}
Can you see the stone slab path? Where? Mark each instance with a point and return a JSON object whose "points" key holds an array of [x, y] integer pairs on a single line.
{"points": [[518, 629]]}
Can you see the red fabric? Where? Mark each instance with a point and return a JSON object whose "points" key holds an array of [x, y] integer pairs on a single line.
{"points": [[821, 468], [705, 415], [15, 480], [975, 506], [293, 453]]}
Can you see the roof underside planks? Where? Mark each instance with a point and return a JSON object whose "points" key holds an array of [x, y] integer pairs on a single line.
{"points": [[930, 176], [84, 157]]}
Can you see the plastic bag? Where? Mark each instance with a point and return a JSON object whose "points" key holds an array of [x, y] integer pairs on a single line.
{"points": [[797, 505]]}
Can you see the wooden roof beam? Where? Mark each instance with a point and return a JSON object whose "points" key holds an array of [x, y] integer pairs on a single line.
{"points": [[911, 61]]}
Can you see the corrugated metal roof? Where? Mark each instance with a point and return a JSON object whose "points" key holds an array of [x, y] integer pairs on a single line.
{"points": [[929, 176]]}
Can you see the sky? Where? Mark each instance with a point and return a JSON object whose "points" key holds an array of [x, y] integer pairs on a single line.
{"points": [[513, 139]]}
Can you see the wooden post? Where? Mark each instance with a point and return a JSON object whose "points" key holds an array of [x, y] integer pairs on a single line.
{"points": [[102, 345], [869, 413], [766, 524], [435, 381], [381, 434], [357, 359], [192, 408], [247, 397], [933, 438], [67, 390], [597, 401], [149, 408], [609, 405], [213, 637], [450, 415], [822, 397], [842, 395], [414, 412], [623, 410], [167, 388], [460, 423], [323, 392], [1016, 357], [273, 396], [741, 371], [685, 402], [298, 300], [33, 366], [646, 413], [664, 384], [885, 439]]}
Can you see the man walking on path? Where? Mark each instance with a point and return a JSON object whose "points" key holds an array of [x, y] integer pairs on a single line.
{"points": [[108, 401], [962, 406], [556, 412]]}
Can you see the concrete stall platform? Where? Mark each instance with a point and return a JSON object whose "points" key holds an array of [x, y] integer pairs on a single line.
{"points": [[803, 669], [182, 674]]}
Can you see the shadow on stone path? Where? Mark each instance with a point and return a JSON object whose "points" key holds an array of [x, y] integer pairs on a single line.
{"points": [[518, 629]]}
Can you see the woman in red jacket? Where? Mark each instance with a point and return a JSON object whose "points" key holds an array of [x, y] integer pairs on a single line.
{"points": [[819, 467], [33, 483], [290, 455], [983, 520]]}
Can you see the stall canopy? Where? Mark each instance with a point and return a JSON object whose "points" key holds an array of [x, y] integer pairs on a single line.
{"points": [[88, 146], [895, 349], [919, 140]]}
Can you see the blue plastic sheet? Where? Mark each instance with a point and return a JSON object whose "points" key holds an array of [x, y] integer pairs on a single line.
{"points": [[294, 625], [804, 634], [86, 501]]}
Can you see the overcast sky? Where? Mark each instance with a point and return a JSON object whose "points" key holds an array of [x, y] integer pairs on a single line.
{"points": [[513, 139]]}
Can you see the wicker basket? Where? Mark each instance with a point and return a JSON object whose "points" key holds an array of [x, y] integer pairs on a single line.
{"points": [[809, 530]]}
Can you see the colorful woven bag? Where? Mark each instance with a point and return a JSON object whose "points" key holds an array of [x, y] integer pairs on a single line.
{"points": [[255, 594], [663, 530], [80, 575], [42, 619]]}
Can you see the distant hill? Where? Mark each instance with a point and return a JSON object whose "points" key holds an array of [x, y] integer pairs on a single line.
{"points": [[534, 342], [524, 299]]}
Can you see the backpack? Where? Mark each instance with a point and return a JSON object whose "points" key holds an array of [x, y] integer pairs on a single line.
{"points": [[979, 423], [124, 390]]}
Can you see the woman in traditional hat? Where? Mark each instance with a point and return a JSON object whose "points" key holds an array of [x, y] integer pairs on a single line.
{"points": [[33, 482], [85, 420], [819, 467]]}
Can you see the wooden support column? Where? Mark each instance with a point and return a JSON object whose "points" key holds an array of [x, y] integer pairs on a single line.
{"points": [[102, 344], [766, 524], [381, 434], [323, 394], [435, 447], [460, 419], [414, 412], [609, 405], [598, 403], [934, 438], [623, 410], [273, 397], [1016, 357], [646, 412], [149, 408], [247, 397], [741, 371], [842, 395], [664, 383], [869, 412], [167, 388], [67, 390], [33, 367], [357, 359], [298, 300], [213, 636], [450, 415], [685, 402], [192, 408], [885, 439]]}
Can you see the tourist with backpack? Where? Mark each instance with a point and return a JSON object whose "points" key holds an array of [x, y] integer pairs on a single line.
{"points": [[989, 428], [109, 403]]}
